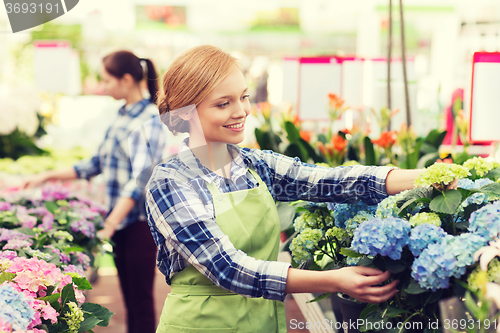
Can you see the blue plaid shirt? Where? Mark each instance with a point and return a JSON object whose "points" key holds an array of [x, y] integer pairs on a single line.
{"points": [[132, 146], [182, 218]]}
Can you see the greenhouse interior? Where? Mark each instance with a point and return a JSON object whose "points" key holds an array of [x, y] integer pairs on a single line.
{"points": [[355, 185]]}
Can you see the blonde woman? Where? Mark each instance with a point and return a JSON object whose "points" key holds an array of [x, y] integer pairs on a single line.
{"points": [[212, 208]]}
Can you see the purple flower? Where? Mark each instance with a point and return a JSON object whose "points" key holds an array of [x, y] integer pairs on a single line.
{"points": [[47, 222], [73, 269], [83, 259], [51, 193], [6, 235], [10, 255], [87, 228], [17, 244], [4, 205]]}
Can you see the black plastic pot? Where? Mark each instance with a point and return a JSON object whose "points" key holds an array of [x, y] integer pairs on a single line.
{"points": [[350, 311]]}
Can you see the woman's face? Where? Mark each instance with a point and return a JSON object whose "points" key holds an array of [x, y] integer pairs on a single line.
{"points": [[112, 85], [223, 112]]}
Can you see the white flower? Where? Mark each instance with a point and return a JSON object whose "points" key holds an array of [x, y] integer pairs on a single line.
{"points": [[487, 253]]}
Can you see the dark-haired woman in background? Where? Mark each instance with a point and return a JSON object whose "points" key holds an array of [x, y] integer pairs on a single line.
{"points": [[133, 143]]}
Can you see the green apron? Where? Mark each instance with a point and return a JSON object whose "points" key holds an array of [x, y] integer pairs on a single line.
{"points": [[250, 219]]}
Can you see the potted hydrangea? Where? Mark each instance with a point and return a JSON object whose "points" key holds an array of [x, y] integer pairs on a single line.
{"points": [[426, 237]]}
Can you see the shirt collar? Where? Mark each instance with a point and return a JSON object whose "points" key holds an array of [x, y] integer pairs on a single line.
{"points": [[134, 110], [239, 165]]}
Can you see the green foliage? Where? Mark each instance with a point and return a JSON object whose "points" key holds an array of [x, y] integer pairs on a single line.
{"points": [[17, 144]]}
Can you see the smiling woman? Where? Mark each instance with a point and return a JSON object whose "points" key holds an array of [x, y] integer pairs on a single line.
{"points": [[213, 215]]}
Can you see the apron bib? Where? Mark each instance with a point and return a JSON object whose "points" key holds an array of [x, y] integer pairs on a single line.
{"points": [[250, 219]]}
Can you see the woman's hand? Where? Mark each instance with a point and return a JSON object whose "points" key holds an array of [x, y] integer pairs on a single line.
{"points": [[33, 181], [107, 232], [362, 282], [451, 186]]}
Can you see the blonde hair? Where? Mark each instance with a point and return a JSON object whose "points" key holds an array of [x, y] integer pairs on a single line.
{"points": [[189, 79]]}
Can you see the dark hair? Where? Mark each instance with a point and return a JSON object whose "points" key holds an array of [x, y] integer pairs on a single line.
{"points": [[124, 62]]}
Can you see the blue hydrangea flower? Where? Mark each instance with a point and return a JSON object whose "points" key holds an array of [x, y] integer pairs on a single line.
{"points": [[423, 235], [386, 237], [440, 261], [353, 223], [468, 184], [15, 307], [433, 268], [475, 198], [344, 212], [351, 261], [463, 248], [485, 221]]}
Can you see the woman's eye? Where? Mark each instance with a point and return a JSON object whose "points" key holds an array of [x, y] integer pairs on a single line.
{"points": [[223, 105], [245, 96]]}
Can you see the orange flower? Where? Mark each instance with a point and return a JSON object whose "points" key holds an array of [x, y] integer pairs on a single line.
{"points": [[446, 160], [339, 143], [386, 140], [305, 135], [265, 108], [336, 101]]}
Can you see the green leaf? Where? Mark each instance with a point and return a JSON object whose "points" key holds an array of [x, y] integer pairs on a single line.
{"points": [[5, 276], [321, 138], [493, 174], [26, 231], [312, 153], [447, 202], [472, 306], [369, 152], [427, 160], [292, 133], [349, 253], [295, 149], [88, 323], [490, 189], [369, 308], [414, 288], [82, 283], [405, 205], [53, 300], [461, 158], [68, 294], [319, 298], [74, 249], [393, 312], [99, 311], [51, 206], [435, 138], [395, 266]]}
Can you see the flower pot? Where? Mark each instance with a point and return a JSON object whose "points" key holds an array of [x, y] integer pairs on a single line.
{"points": [[350, 312]]}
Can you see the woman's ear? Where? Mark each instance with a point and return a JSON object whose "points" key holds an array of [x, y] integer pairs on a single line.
{"points": [[127, 79], [185, 113]]}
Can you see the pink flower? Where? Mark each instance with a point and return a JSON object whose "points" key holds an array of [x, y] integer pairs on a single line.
{"points": [[47, 222], [47, 311], [35, 274], [5, 327], [4, 206], [27, 221], [17, 244]]}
